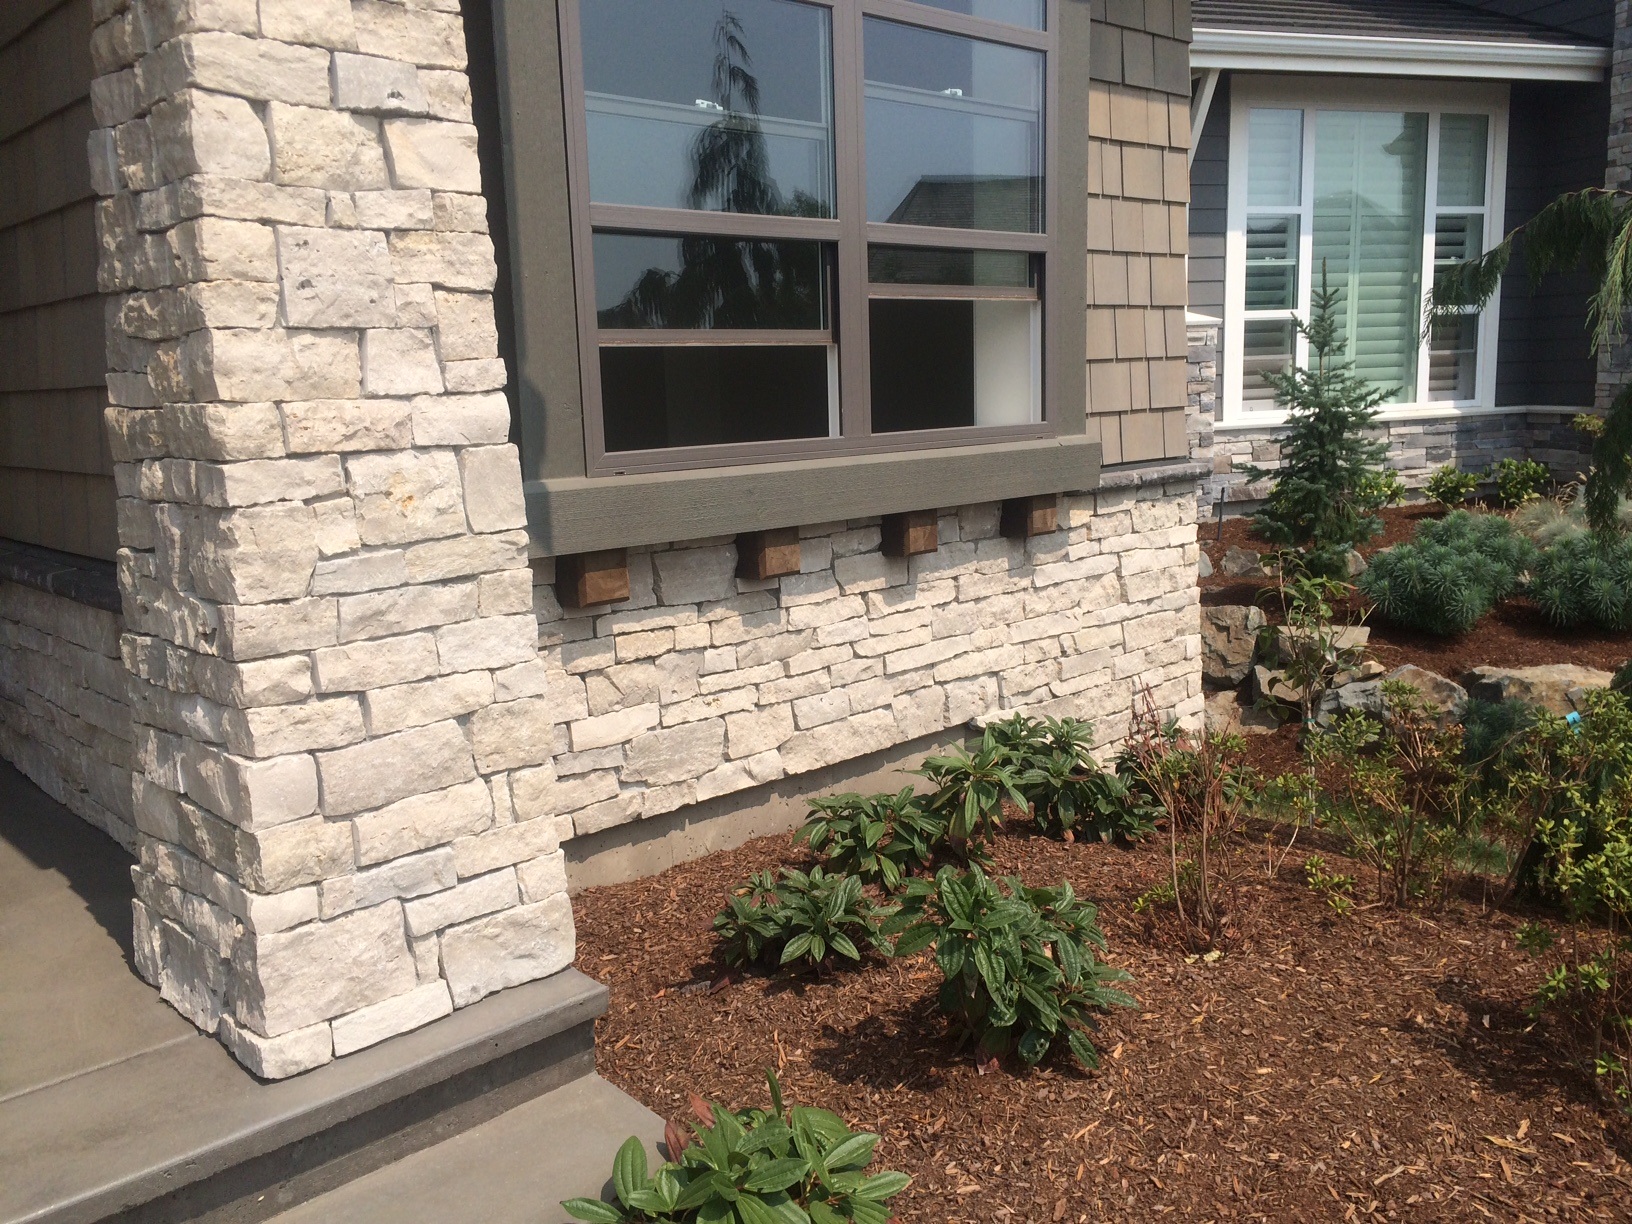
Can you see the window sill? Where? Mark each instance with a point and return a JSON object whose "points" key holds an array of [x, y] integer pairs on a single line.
{"points": [[1404, 412], [579, 514]]}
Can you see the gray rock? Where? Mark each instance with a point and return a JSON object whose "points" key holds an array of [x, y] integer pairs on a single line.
{"points": [[1344, 637], [1227, 714], [1241, 563], [1354, 564], [1204, 567], [1366, 696], [1270, 685], [1559, 687], [1229, 636]]}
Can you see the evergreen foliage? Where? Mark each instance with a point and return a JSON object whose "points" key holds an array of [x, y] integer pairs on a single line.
{"points": [[1451, 574], [1588, 231], [1324, 499], [1585, 580]]}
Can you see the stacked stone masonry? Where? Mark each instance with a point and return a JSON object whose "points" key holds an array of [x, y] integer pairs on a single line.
{"points": [[360, 725], [703, 683], [323, 559], [64, 712]]}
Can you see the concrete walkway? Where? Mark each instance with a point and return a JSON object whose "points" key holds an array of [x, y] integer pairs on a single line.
{"points": [[112, 1105]]}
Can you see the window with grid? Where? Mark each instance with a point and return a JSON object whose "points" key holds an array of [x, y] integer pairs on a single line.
{"points": [[807, 226], [1373, 198]]}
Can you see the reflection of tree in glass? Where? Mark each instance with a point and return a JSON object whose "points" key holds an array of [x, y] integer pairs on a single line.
{"points": [[728, 282]]}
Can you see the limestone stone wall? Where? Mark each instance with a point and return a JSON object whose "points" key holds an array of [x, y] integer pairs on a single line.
{"points": [[327, 598], [703, 684], [64, 694]]}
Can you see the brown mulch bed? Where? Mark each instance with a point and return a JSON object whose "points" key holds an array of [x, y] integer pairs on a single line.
{"points": [[1379, 1066], [1515, 634]]}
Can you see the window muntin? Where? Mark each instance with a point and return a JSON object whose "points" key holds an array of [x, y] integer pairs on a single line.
{"points": [[1376, 197], [703, 105], [954, 130], [744, 271]]}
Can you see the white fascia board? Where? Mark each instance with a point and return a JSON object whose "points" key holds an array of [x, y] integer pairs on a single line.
{"points": [[1353, 54]]}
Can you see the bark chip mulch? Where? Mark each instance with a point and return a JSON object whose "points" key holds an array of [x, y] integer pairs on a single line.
{"points": [[1380, 1066]]}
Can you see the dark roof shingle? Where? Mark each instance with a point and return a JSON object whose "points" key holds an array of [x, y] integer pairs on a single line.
{"points": [[1382, 19]]}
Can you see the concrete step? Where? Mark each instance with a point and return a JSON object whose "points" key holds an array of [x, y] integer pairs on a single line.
{"points": [[179, 1132], [512, 1169]]}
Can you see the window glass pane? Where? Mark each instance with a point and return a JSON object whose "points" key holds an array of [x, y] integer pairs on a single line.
{"points": [[897, 265], [701, 104], [646, 280], [1028, 13], [1462, 142], [1275, 158], [1369, 186], [1272, 263], [948, 363], [954, 130], [1269, 347], [1453, 359], [702, 395], [1458, 237]]}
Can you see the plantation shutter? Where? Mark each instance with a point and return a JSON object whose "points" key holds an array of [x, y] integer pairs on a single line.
{"points": [[1370, 175]]}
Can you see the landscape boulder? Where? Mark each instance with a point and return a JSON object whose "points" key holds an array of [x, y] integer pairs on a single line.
{"points": [[1227, 714], [1366, 696], [1559, 687], [1229, 636], [1204, 566], [1241, 563], [1344, 637]]}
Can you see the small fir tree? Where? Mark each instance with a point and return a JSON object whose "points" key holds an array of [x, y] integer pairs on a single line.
{"points": [[1323, 501]]}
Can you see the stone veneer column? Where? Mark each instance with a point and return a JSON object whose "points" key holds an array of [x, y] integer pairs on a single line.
{"points": [[328, 604]]}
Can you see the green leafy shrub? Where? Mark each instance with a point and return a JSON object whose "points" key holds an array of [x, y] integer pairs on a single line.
{"points": [[1398, 790], [879, 839], [970, 788], [1333, 887], [1451, 487], [1519, 481], [1585, 580], [1451, 574], [796, 916], [750, 1167], [1380, 487], [1067, 791], [1571, 791], [1021, 964], [1324, 498], [1622, 683]]}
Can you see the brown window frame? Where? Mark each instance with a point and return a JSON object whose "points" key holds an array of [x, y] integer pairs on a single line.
{"points": [[850, 234]]}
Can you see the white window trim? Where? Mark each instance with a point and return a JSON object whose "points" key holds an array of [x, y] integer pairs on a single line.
{"points": [[1310, 93]]}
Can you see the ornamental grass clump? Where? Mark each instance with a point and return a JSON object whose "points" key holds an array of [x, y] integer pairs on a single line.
{"points": [[799, 918], [798, 1166], [1452, 572], [1021, 965]]}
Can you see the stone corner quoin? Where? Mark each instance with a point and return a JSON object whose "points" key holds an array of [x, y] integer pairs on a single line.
{"points": [[362, 724]]}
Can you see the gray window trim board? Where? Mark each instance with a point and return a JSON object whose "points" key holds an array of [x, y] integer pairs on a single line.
{"points": [[545, 245]]}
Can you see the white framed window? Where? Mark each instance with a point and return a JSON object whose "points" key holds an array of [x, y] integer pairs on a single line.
{"points": [[1378, 183]]}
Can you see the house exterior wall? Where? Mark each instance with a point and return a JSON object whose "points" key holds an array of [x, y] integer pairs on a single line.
{"points": [[1544, 368], [64, 692], [56, 473], [354, 723]]}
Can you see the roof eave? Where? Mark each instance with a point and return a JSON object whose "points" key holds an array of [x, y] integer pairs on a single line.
{"points": [[1362, 54]]}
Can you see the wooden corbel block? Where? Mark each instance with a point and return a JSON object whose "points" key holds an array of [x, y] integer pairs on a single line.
{"points": [[768, 554], [584, 580], [1024, 517], [912, 533]]}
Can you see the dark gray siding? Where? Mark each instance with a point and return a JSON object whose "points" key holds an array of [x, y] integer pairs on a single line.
{"points": [[1209, 204], [1557, 141]]}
